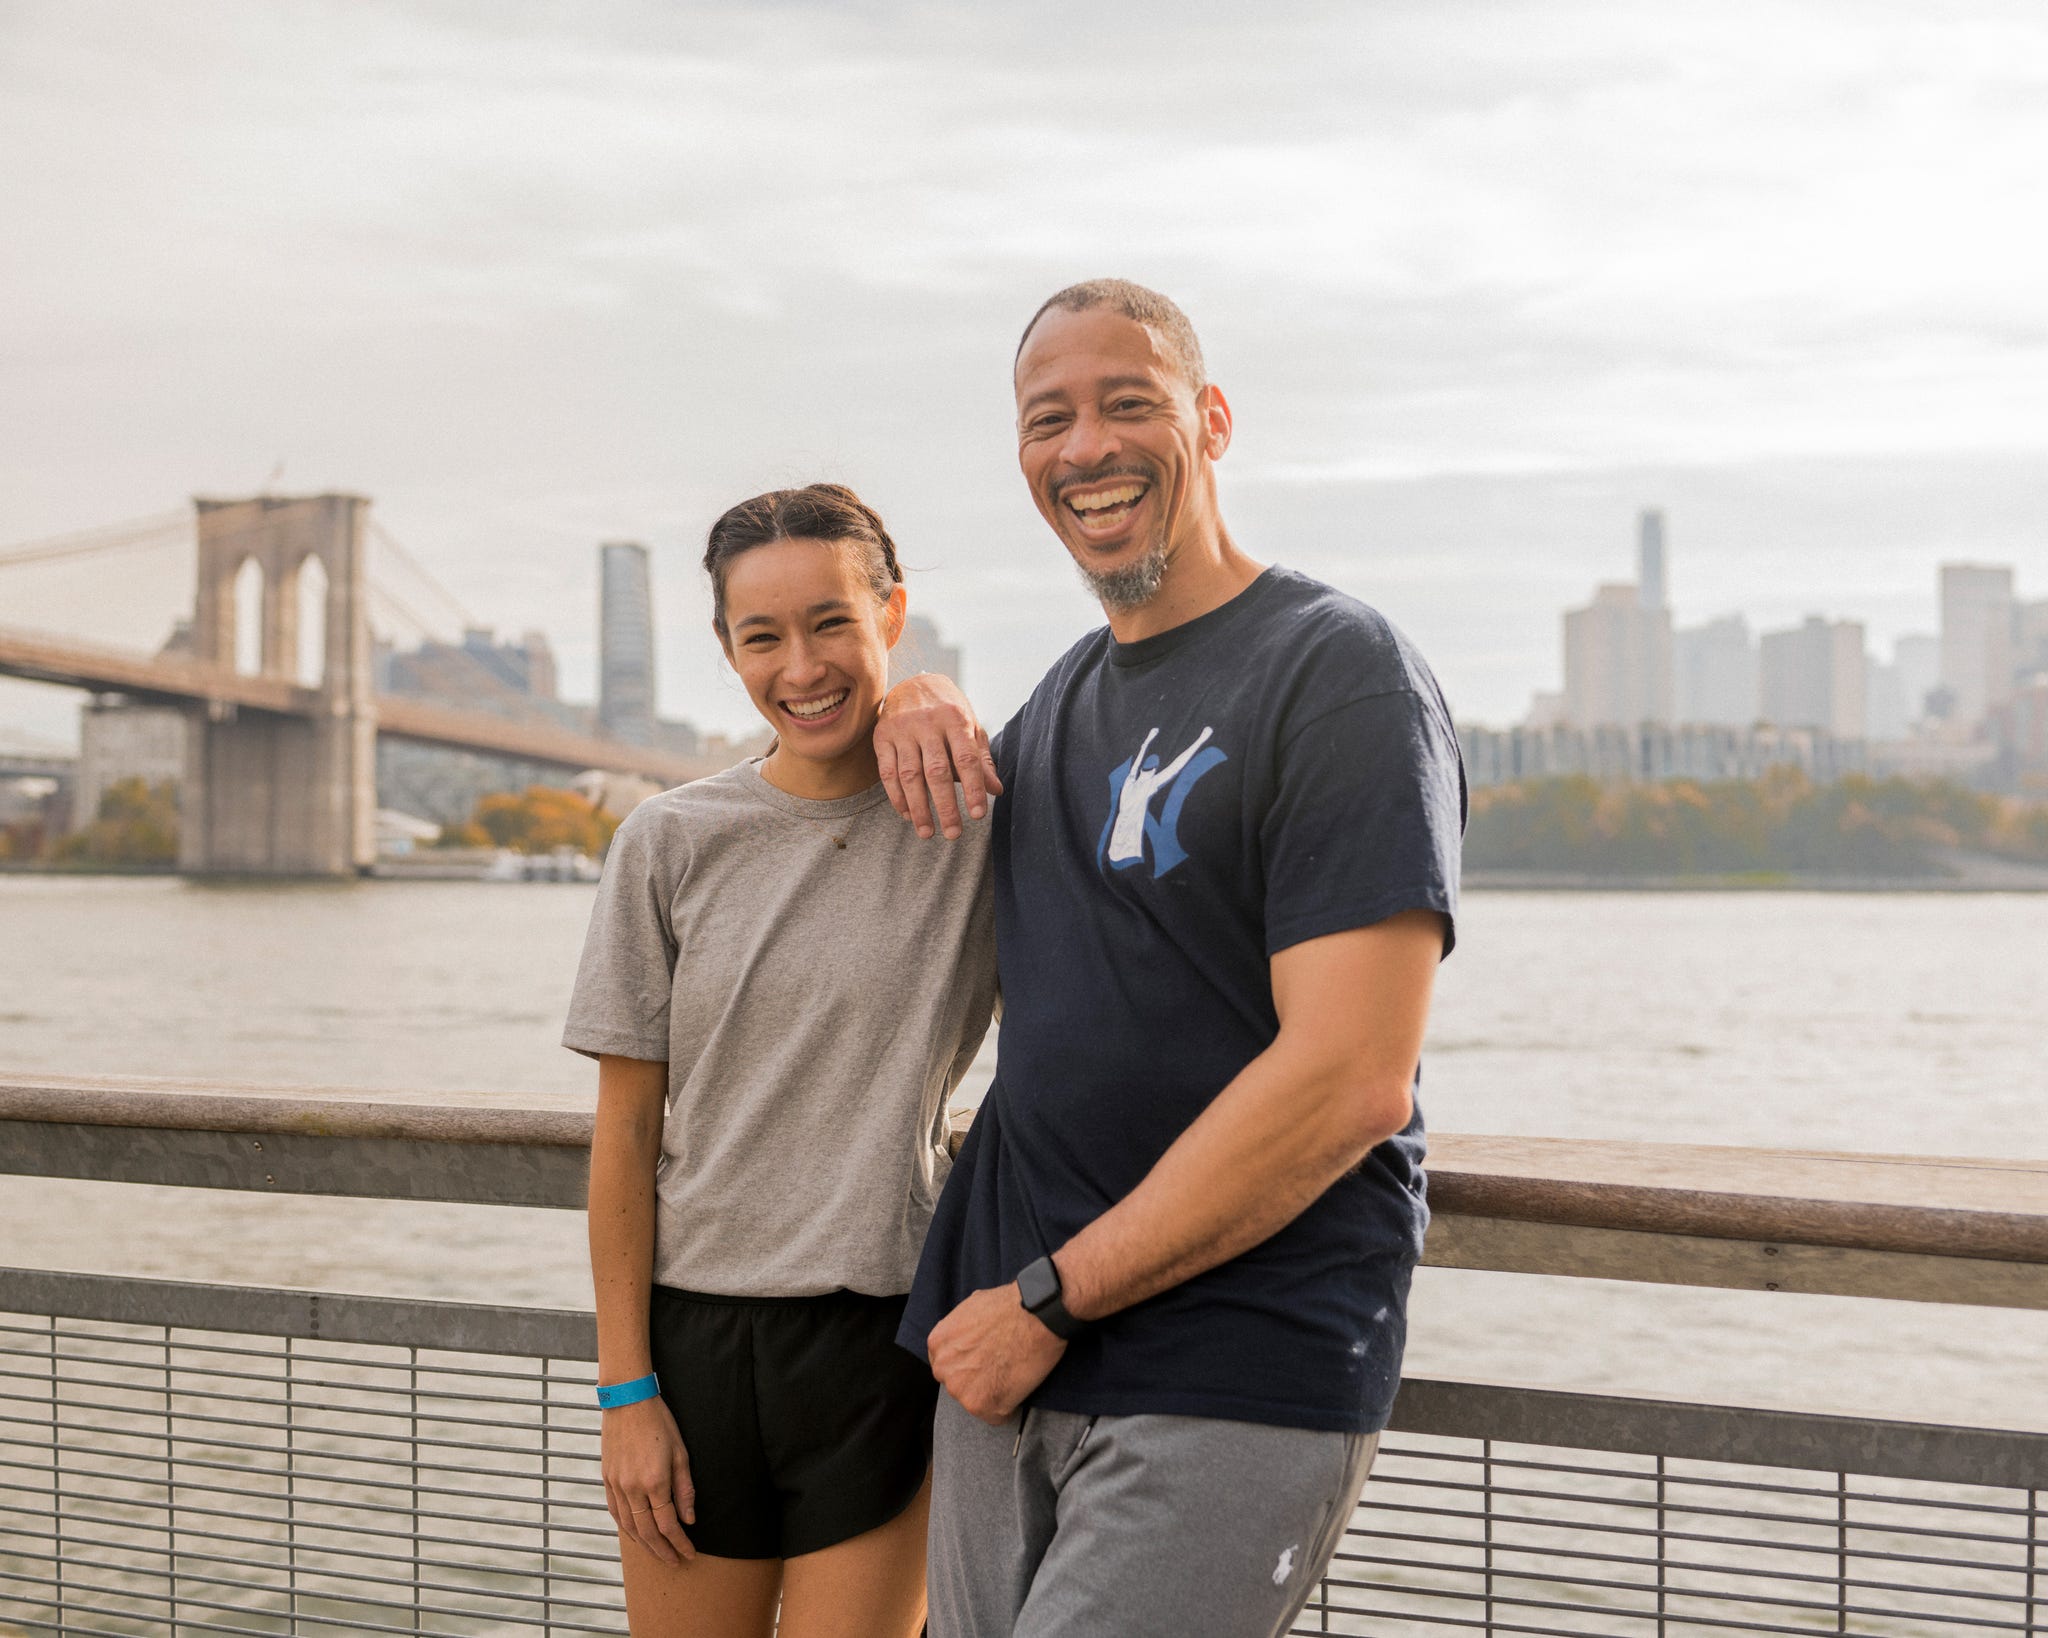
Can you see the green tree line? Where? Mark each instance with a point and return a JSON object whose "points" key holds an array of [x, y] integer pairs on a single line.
{"points": [[1782, 822]]}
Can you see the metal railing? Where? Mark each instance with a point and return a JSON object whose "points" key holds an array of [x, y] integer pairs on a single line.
{"points": [[188, 1459], [1687, 1519], [209, 1459]]}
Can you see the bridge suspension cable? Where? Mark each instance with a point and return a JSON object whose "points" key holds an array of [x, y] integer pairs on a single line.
{"points": [[159, 528], [382, 596], [402, 555]]}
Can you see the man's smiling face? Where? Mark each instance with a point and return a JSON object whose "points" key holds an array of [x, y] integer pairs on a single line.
{"points": [[1114, 441]]}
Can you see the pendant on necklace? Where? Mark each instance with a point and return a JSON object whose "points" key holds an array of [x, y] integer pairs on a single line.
{"points": [[839, 842]]}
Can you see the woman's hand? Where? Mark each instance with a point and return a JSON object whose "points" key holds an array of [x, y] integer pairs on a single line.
{"points": [[647, 1486]]}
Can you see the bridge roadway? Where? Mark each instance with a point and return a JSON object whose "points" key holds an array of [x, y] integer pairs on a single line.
{"points": [[173, 681]]}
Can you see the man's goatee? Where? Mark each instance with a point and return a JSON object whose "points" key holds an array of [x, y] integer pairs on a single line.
{"points": [[1131, 586]]}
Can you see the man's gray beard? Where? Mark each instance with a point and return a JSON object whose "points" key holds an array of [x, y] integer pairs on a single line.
{"points": [[1133, 585]]}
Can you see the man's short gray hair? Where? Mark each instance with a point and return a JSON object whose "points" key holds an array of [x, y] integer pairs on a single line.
{"points": [[1157, 313]]}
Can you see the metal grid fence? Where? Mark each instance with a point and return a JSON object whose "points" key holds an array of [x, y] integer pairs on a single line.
{"points": [[1485, 1536], [164, 1479], [194, 1459]]}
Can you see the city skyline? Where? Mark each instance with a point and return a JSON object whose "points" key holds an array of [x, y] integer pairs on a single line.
{"points": [[1627, 661]]}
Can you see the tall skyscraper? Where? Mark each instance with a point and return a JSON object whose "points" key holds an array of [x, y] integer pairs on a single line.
{"points": [[1813, 677], [1617, 649], [1976, 640], [1650, 564], [625, 667], [1714, 673]]}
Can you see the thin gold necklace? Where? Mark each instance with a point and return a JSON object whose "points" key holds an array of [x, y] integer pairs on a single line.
{"points": [[838, 841]]}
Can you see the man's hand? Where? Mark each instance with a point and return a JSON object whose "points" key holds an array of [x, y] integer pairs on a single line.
{"points": [[991, 1353], [927, 737]]}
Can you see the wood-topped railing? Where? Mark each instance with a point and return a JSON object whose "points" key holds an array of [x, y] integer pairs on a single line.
{"points": [[1919, 1228]]}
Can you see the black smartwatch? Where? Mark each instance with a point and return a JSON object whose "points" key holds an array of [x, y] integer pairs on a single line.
{"points": [[1038, 1289]]}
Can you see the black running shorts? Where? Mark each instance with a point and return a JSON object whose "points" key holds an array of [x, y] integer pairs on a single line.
{"points": [[805, 1423]]}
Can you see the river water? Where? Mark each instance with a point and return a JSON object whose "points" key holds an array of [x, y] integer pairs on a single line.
{"points": [[1894, 1023]]}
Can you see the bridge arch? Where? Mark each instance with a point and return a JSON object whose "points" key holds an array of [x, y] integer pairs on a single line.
{"points": [[310, 594], [249, 633]]}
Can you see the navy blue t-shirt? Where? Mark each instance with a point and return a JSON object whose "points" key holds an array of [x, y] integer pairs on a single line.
{"points": [[1176, 811]]}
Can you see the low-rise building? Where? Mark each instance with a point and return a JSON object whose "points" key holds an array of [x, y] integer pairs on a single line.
{"points": [[1652, 752], [120, 738]]}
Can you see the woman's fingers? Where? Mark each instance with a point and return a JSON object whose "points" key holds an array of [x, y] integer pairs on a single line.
{"points": [[668, 1527], [654, 1524]]}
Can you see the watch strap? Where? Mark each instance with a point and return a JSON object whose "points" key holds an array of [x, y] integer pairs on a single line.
{"points": [[1038, 1289]]}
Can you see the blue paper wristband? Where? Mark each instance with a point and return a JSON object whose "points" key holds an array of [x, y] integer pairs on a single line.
{"points": [[627, 1393]]}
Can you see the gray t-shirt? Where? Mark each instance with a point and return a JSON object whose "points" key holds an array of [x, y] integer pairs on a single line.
{"points": [[815, 1003]]}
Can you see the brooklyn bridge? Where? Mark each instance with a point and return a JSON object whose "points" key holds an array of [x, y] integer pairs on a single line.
{"points": [[277, 684]]}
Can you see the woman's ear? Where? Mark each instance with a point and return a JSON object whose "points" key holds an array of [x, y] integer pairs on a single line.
{"points": [[724, 641], [894, 613]]}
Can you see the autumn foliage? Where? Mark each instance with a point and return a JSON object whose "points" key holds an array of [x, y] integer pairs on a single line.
{"points": [[1782, 822], [537, 820], [137, 824]]}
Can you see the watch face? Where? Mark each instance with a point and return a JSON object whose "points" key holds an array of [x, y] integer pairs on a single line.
{"points": [[1039, 1282]]}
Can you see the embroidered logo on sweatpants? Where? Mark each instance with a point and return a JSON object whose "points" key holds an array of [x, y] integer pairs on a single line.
{"points": [[1285, 1567]]}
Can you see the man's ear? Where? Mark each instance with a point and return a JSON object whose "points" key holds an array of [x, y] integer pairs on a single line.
{"points": [[1215, 412], [894, 614]]}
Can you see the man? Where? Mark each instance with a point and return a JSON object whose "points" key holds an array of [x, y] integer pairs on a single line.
{"points": [[1165, 1288]]}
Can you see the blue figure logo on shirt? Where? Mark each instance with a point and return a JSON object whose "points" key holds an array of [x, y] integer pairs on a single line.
{"points": [[1131, 823]]}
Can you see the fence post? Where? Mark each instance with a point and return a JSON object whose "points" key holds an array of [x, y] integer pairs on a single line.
{"points": [[1486, 1520], [2034, 1543], [1663, 1557], [171, 1480], [412, 1401], [547, 1495], [57, 1485], [291, 1489], [1841, 1552]]}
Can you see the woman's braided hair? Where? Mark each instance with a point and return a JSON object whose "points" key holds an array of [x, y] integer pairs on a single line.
{"points": [[818, 511]]}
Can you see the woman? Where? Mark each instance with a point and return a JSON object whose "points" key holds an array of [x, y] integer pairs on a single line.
{"points": [[777, 958]]}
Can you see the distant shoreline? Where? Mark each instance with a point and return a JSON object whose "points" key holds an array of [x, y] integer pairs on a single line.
{"points": [[2021, 879], [1546, 881]]}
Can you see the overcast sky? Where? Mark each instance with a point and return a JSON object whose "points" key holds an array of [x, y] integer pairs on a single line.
{"points": [[1480, 279]]}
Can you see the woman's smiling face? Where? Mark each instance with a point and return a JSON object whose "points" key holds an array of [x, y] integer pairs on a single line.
{"points": [[811, 640]]}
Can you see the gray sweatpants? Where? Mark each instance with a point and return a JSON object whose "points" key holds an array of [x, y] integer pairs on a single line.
{"points": [[1132, 1526]]}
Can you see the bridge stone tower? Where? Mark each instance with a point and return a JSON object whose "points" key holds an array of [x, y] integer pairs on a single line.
{"points": [[274, 793]]}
